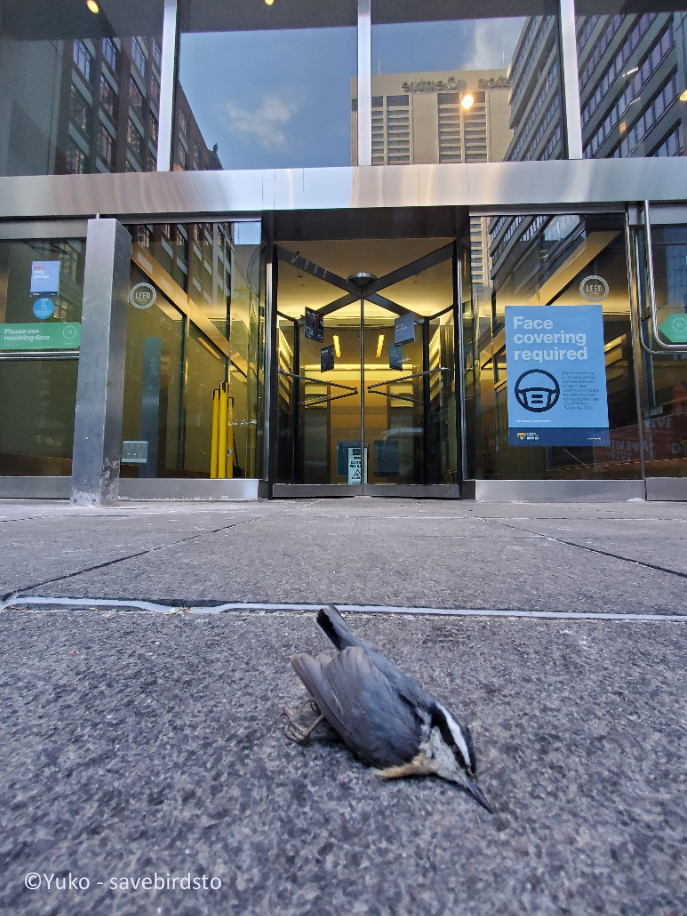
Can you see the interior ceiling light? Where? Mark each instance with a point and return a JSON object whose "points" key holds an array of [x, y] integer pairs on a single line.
{"points": [[93, 6], [467, 101], [337, 346], [380, 345], [683, 96], [269, 2]]}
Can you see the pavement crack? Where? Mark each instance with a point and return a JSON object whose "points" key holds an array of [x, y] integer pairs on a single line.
{"points": [[130, 556], [604, 553]]}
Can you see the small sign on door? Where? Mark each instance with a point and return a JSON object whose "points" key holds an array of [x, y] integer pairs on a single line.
{"points": [[355, 467], [314, 325], [404, 329]]}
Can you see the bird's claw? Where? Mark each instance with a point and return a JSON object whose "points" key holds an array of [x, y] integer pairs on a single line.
{"points": [[295, 732]]}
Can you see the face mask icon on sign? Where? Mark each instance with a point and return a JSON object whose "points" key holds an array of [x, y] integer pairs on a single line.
{"points": [[537, 390]]}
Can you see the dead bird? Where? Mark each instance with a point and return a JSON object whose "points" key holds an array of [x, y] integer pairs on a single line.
{"points": [[383, 715]]}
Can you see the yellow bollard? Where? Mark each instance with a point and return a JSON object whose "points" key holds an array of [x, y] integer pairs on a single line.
{"points": [[214, 451], [222, 437], [230, 437]]}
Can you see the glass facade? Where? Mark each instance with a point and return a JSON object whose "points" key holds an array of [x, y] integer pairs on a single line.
{"points": [[381, 324], [450, 87], [266, 88], [633, 79], [80, 90], [41, 289], [195, 321]]}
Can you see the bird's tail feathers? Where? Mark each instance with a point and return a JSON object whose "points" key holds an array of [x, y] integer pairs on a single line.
{"points": [[334, 628]]}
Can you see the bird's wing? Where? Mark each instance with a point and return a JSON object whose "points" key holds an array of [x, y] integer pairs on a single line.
{"points": [[362, 706], [337, 630]]}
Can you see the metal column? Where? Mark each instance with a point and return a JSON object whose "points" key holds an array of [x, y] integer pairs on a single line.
{"points": [[167, 85], [571, 79], [100, 385], [364, 83]]}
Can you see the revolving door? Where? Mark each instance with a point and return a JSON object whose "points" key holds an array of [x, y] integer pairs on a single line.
{"points": [[368, 396]]}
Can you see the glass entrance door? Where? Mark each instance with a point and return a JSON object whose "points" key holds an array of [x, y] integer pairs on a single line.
{"points": [[366, 384]]}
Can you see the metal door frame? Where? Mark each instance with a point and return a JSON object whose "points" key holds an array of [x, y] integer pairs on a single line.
{"points": [[371, 292], [647, 341]]}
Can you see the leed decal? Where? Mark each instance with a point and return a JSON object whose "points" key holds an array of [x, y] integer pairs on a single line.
{"points": [[556, 375]]}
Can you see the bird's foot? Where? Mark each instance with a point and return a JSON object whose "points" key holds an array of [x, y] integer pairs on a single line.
{"points": [[296, 732]]}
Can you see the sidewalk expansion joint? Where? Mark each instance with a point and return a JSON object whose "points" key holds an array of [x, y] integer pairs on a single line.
{"points": [[27, 602], [604, 553], [131, 556]]}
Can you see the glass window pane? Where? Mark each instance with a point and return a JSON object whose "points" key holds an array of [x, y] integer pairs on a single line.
{"points": [[37, 403], [268, 87], [41, 293], [562, 262], [153, 383], [71, 84], [665, 376], [196, 320], [632, 79], [476, 90]]}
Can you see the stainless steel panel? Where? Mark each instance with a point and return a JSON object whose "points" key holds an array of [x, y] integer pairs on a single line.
{"points": [[183, 488], [167, 83], [571, 78], [491, 186], [65, 229], [667, 488], [414, 491], [313, 491], [35, 487], [100, 385], [557, 491], [364, 83]]}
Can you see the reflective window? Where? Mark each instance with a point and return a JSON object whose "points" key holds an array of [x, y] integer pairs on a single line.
{"points": [[196, 321], [568, 275], [65, 73], [632, 79], [448, 87], [41, 292], [265, 86]]}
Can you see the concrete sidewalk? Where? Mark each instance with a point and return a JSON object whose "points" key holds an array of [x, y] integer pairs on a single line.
{"points": [[618, 557], [139, 744]]}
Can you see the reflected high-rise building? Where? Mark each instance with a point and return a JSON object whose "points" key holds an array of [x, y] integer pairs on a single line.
{"points": [[452, 116], [632, 72], [442, 117], [104, 111]]}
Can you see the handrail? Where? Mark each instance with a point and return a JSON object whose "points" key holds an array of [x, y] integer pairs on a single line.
{"points": [[318, 381], [405, 378], [321, 399]]}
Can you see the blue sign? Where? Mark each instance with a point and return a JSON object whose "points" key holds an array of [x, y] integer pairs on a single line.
{"points": [[43, 308], [45, 278], [404, 329], [556, 372], [395, 356]]}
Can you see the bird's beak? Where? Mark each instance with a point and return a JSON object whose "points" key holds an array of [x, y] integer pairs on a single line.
{"points": [[477, 793]]}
